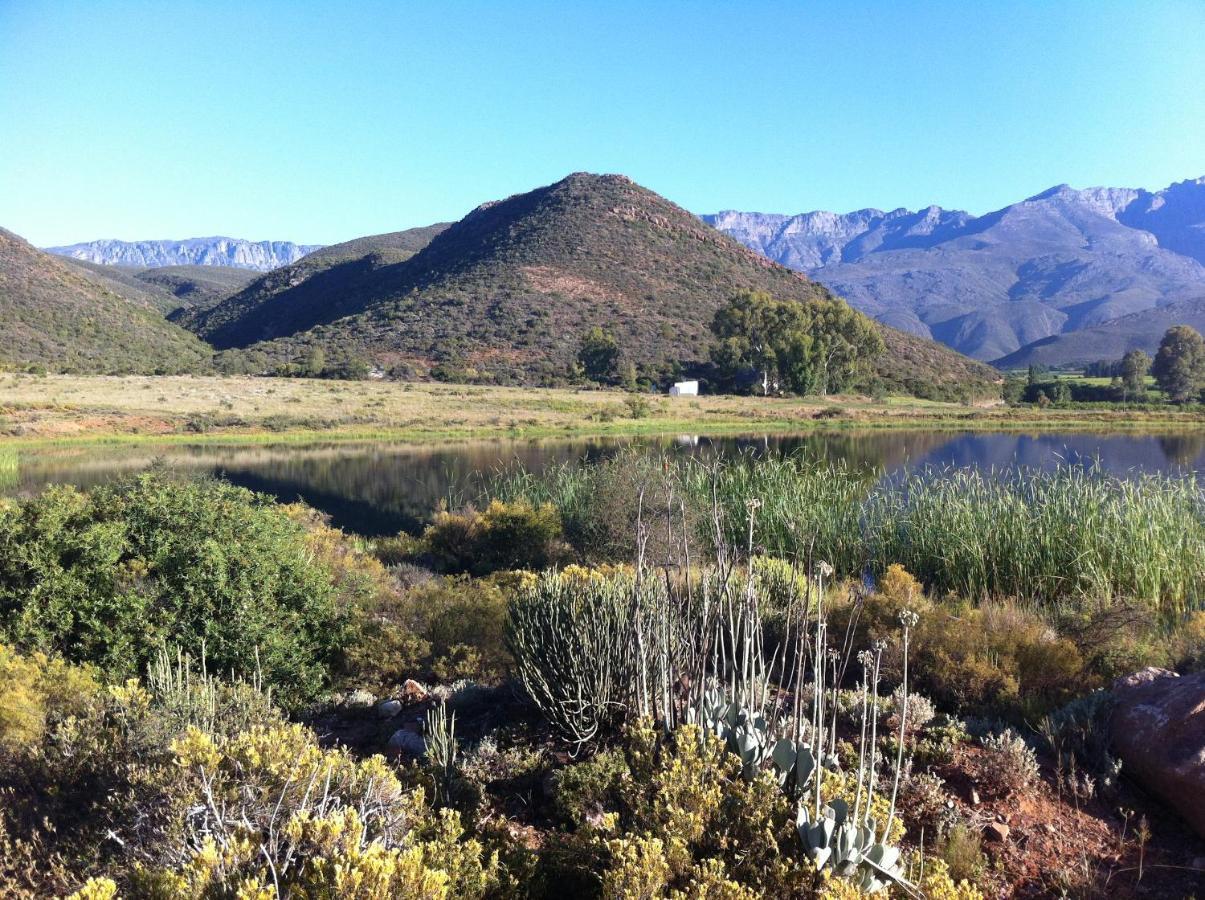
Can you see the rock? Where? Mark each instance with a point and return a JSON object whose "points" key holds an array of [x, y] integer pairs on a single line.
{"points": [[996, 831], [387, 709], [1158, 732], [413, 692], [974, 797], [406, 741]]}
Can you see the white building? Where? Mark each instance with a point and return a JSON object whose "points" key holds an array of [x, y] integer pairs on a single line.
{"points": [[685, 389]]}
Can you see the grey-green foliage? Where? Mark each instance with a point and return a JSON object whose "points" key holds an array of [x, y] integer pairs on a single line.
{"points": [[848, 847], [1078, 736], [745, 732], [588, 650], [188, 695], [439, 732]]}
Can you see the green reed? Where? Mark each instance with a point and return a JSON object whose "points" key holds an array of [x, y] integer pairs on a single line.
{"points": [[8, 465], [1044, 536]]}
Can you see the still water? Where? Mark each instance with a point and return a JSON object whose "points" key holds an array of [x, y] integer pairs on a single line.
{"points": [[382, 488]]}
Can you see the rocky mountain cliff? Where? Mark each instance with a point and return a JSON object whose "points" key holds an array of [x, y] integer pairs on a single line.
{"points": [[1018, 279], [261, 256]]}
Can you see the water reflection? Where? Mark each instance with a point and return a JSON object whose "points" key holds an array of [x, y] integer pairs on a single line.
{"points": [[381, 488]]}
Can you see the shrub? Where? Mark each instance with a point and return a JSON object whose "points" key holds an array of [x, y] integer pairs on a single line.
{"points": [[35, 692], [962, 853], [447, 627], [268, 830], [108, 577], [998, 658], [584, 792], [1010, 765], [572, 641], [503, 536]]}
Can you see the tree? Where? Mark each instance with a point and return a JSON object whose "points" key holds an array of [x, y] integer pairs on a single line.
{"points": [[599, 354], [315, 362], [810, 347], [1179, 366], [1134, 366]]}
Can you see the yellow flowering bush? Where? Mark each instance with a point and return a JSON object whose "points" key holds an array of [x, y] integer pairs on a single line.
{"points": [[276, 812], [36, 689]]}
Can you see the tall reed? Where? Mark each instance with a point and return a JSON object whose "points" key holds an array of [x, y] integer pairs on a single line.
{"points": [[1045, 536], [9, 464]]}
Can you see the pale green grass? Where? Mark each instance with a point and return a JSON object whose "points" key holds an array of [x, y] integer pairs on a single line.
{"points": [[242, 409]]}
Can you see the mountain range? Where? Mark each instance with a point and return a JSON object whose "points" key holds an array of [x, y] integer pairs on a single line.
{"points": [[506, 293], [1065, 277], [259, 256]]}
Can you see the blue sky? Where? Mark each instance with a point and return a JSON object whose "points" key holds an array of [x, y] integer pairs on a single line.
{"points": [[318, 122]]}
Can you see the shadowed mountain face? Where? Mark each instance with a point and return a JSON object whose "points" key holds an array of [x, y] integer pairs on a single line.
{"points": [[507, 292], [1015, 285], [66, 318], [260, 256], [168, 288]]}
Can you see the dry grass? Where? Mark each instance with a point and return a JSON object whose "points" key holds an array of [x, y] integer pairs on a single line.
{"points": [[97, 408]]}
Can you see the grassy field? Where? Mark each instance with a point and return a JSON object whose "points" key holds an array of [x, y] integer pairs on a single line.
{"points": [[41, 409]]}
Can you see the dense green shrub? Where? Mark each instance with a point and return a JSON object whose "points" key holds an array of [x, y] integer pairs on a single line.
{"points": [[446, 628], [502, 536], [110, 576]]}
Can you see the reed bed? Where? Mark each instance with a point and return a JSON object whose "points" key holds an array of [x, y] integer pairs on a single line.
{"points": [[1071, 533], [8, 466], [1044, 535]]}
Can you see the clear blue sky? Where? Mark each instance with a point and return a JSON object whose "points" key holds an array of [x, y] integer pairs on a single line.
{"points": [[318, 122]]}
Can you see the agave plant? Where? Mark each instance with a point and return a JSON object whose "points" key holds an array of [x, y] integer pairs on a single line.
{"points": [[745, 732], [849, 848]]}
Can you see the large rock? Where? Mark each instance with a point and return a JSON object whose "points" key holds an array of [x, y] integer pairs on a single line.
{"points": [[1158, 730]]}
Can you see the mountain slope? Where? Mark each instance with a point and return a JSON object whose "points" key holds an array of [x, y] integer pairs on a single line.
{"points": [[1112, 340], [262, 256], [124, 282], [197, 287], [56, 315], [315, 288], [169, 288], [507, 292], [1057, 263]]}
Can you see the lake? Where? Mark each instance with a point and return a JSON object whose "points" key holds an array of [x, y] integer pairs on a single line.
{"points": [[382, 488]]}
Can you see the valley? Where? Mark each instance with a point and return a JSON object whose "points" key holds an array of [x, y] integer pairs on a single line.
{"points": [[98, 409]]}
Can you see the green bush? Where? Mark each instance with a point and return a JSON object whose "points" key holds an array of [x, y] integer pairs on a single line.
{"points": [[504, 536], [110, 576], [574, 643]]}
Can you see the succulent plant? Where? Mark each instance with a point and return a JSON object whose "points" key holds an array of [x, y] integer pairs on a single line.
{"points": [[744, 732], [849, 849]]}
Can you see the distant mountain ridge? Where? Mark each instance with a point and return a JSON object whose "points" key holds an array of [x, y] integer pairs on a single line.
{"points": [[1014, 284], [261, 256]]}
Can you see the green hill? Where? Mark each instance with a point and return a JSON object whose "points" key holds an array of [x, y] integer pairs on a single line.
{"points": [[197, 287], [314, 288], [66, 318], [506, 293]]}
